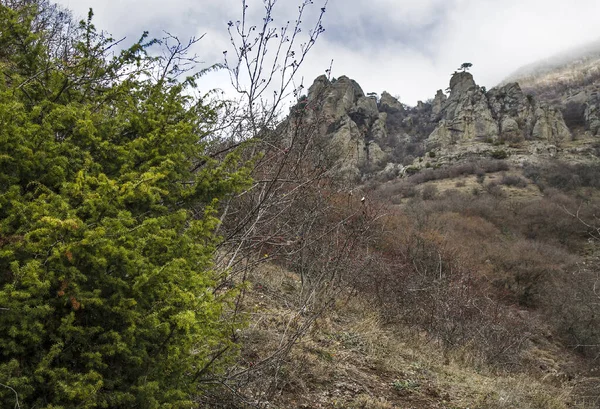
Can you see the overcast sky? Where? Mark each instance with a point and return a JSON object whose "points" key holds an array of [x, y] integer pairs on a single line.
{"points": [[406, 47]]}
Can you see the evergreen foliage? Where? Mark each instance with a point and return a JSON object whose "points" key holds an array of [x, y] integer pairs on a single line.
{"points": [[108, 294], [465, 66]]}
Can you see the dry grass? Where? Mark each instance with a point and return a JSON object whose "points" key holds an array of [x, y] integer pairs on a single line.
{"points": [[457, 311], [350, 359]]}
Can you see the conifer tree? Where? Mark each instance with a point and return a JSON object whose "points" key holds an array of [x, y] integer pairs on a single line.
{"points": [[108, 294]]}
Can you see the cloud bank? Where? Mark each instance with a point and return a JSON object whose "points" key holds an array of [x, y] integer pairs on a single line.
{"points": [[406, 47]]}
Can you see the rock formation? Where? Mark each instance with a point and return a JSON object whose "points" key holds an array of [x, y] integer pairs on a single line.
{"points": [[389, 104], [351, 122], [592, 113], [438, 104], [502, 114], [522, 117], [366, 134], [465, 115]]}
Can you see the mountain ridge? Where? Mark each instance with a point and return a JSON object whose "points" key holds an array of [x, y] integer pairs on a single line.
{"points": [[374, 135]]}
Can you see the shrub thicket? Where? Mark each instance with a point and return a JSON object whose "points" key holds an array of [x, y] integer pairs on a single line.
{"points": [[564, 176]]}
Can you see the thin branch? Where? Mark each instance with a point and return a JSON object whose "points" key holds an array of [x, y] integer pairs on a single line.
{"points": [[17, 405]]}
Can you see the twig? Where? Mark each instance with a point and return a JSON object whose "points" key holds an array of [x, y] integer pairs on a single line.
{"points": [[17, 405]]}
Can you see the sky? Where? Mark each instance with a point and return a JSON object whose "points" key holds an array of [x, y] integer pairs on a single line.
{"points": [[406, 47]]}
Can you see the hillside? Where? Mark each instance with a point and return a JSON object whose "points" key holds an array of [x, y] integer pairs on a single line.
{"points": [[573, 63], [163, 247], [569, 81], [470, 283]]}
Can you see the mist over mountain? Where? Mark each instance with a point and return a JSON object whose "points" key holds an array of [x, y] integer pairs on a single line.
{"points": [[569, 60]]}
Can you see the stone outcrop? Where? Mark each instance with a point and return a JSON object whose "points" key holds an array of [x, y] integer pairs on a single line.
{"points": [[522, 117], [351, 122], [379, 130], [460, 83], [581, 109], [514, 112], [549, 126], [438, 104], [592, 113], [465, 115], [364, 111], [363, 134], [502, 114], [389, 104], [335, 98]]}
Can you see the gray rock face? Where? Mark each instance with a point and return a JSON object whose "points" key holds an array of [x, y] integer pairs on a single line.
{"points": [[350, 122], [510, 129], [460, 83], [363, 135], [550, 126], [389, 104], [364, 111], [503, 113], [509, 100], [514, 112], [336, 98], [592, 113], [533, 120], [465, 115], [379, 130], [438, 103]]}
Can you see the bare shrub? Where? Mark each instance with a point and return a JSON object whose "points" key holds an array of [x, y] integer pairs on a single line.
{"points": [[545, 220], [480, 167], [494, 189], [428, 278], [578, 322], [514, 181], [564, 176], [429, 192], [528, 267], [398, 189]]}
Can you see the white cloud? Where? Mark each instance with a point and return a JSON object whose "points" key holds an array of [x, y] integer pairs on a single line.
{"points": [[406, 47]]}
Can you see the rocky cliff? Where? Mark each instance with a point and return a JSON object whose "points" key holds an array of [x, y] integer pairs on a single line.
{"points": [[569, 81], [379, 134], [350, 120], [502, 114], [592, 112]]}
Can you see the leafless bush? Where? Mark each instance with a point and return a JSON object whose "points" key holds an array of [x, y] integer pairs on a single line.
{"points": [[398, 189], [512, 180], [480, 167], [296, 214], [564, 176], [423, 278], [463, 264], [575, 304], [429, 192], [526, 268]]}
